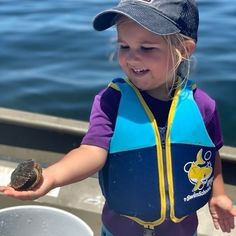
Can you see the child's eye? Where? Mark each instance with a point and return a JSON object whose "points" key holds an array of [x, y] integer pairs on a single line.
{"points": [[147, 48], [124, 47]]}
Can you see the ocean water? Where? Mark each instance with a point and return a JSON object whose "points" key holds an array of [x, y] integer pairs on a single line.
{"points": [[53, 62]]}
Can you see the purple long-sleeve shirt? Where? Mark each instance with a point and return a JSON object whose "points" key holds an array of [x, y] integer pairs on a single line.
{"points": [[102, 122]]}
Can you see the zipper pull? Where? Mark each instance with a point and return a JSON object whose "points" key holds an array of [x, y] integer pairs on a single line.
{"points": [[149, 231], [162, 131]]}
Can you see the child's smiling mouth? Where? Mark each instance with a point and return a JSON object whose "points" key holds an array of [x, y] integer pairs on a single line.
{"points": [[139, 72]]}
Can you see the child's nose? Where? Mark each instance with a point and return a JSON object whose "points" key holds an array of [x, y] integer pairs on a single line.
{"points": [[133, 55]]}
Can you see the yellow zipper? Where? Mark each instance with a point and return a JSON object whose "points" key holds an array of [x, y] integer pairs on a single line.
{"points": [[159, 164]]}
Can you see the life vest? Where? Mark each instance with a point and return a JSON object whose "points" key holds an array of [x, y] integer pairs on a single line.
{"points": [[145, 182]]}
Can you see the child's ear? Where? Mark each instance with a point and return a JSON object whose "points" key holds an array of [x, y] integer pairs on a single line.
{"points": [[190, 46]]}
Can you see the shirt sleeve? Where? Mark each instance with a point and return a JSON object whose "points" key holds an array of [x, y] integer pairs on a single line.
{"points": [[208, 109], [214, 130], [102, 118]]}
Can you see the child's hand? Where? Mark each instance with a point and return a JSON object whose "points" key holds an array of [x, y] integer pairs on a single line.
{"points": [[43, 187], [222, 212]]}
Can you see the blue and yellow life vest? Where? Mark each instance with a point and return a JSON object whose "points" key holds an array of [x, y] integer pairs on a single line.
{"points": [[145, 182]]}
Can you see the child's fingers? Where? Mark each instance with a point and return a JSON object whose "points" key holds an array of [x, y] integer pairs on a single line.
{"points": [[22, 195], [226, 224], [233, 212], [25, 195], [2, 188], [223, 225], [216, 223], [231, 223]]}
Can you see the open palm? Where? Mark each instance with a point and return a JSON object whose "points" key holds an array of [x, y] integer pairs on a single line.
{"points": [[222, 212]]}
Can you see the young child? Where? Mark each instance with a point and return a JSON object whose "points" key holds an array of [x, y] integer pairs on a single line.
{"points": [[153, 136]]}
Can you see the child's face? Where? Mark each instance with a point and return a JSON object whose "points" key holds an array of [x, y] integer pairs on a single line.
{"points": [[144, 57]]}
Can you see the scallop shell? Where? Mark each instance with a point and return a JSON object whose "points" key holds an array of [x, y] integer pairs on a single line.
{"points": [[26, 175]]}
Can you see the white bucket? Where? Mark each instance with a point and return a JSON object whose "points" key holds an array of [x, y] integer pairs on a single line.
{"points": [[41, 221]]}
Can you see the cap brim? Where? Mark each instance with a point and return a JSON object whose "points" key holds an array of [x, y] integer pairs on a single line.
{"points": [[147, 17]]}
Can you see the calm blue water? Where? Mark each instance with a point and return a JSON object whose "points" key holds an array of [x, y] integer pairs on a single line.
{"points": [[53, 62]]}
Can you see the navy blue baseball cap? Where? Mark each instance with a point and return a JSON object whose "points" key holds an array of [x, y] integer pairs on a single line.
{"points": [[162, 17]]}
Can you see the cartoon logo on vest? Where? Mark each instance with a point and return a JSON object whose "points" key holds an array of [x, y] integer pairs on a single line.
{"points": [[199, 171]]}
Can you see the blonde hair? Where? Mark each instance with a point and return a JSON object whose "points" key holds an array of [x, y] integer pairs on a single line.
{"points": [[181, 65]]}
